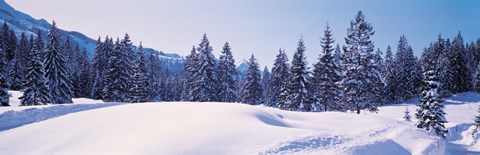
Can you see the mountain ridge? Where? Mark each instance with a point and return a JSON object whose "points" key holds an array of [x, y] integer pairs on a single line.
{"points": [[21, 22]]}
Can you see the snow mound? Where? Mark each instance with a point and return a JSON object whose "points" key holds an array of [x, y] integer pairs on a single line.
{"points": [[214, 128]]}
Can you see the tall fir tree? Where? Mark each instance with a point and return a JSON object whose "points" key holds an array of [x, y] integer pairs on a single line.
{"points": [[204, 84], [227, 75], [139, 82], [116, 78], [430, 113], [36, 90], [279, 78], [4, 95], [189, 71], [55, 69], [326, 75], [8, 41], [477, 79], [462, 77], [99, 64], [85, 78], [252, 92], [15, 72], [406, 70], [390, 77], [299, 87], [266, 77], [360, 77], [154, 71]]}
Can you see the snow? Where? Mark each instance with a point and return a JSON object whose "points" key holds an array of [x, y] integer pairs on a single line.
{"points": [[229, 128]]}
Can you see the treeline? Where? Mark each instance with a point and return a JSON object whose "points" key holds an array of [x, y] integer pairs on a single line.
{"points": [[57, 70], [354, 77]]}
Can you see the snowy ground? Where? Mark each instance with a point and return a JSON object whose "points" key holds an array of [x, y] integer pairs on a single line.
{"points": [[228, 128]]}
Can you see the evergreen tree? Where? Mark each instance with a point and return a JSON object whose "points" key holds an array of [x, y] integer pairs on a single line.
{"points": [[16, 71], [154, 71], [477, 79], [36, 90], [326, 75], [407, 115], [390, 78], [299, 87], [406, 70], [116, 82], [4, 95], [189, 71], [99, 65], [23, 51], [85, 78], [462, 77], [430, 113], [8, 41], [477, 119], [227, 76], [252, 91], [361, 75], [139, 82], [55, 69], [203, 88], [278, 80], [266, 77], [442, 58]]}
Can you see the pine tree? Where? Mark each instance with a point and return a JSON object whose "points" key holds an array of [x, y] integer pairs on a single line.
{"points": [[23, 51], [430, 113], [407, 115], [266, 77], [252, 91], [85, 78], [227, 76], [361, 75], [477, 118], [326, 75], [116, 81], [154, 71], [36, 90], [299, 87], [390, 78], [203, 88], [139, 83], [278, 81], [405, 63], [4, 95], [99, 64], [189, 71], [477, 79], [8, 41], [461, 78], [16, 71], [55, 69]]}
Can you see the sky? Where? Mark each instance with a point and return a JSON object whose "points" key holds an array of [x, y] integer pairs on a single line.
{"points": [[259, 27]]}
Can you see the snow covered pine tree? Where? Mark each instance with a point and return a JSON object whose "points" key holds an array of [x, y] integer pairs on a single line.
{"points": [[430, 114]]}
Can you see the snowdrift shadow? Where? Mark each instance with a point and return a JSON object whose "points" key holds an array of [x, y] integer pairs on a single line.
{"points": [[274, 120], [12, 119], [387, 146], [306, 144]]}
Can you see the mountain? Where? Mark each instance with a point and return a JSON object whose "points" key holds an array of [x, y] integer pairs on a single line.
{"points": [[21, 22]]}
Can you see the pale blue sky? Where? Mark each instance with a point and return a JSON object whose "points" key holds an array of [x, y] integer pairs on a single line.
{"points": [[258, 26]]}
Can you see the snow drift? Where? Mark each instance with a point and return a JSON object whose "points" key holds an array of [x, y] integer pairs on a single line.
{"points": [[215, 128]]}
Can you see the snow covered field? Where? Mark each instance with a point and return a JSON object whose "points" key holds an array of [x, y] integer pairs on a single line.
{"points": [[228, 128]]}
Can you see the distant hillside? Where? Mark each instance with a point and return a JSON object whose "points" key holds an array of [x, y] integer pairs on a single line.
{"points": [[21, 22]]}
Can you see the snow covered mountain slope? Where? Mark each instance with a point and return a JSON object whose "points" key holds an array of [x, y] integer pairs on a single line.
{"points": [[214, 128], [21, 22], [232, 128]]}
